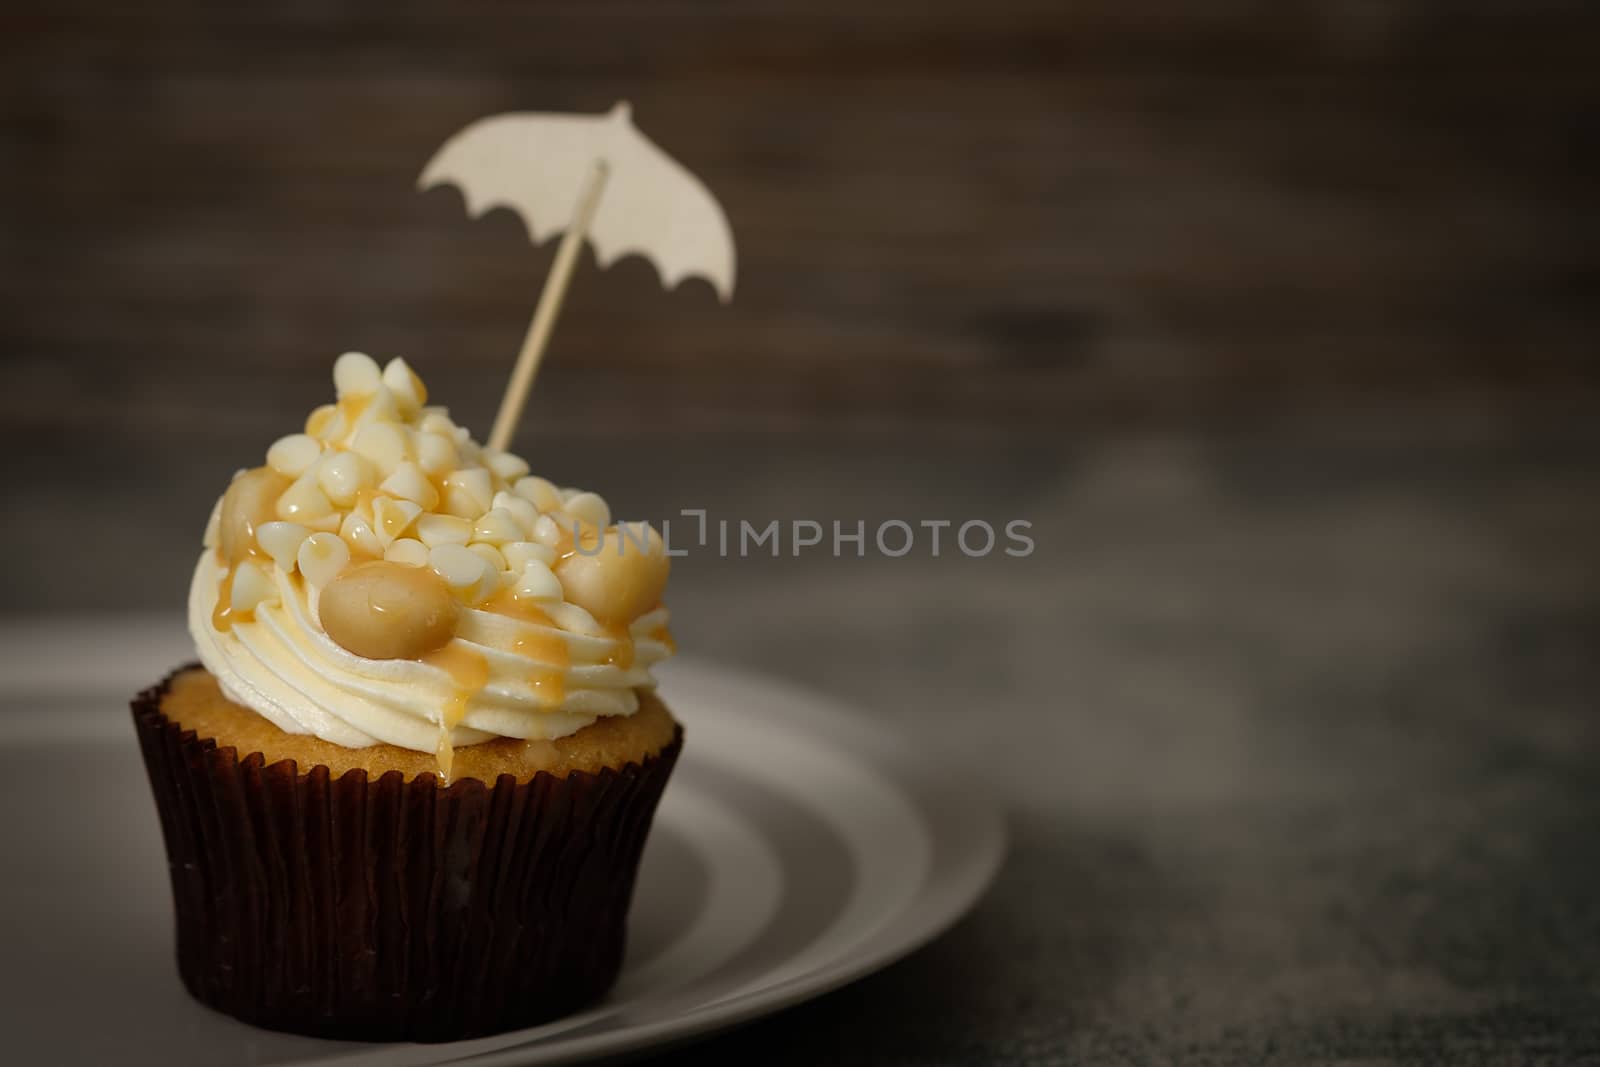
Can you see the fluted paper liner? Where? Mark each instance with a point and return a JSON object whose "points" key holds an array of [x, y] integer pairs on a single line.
{"points": [[393, 910]]}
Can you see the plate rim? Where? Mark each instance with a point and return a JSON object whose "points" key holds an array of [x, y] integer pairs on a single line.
{"points": [[978, 840], [986, 839]]}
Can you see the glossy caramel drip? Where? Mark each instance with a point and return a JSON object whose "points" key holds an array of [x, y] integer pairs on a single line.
{"points": [[550, 652], [348, 410], [663, 635], [391, 524], [545, 646], [565, 545], [469, 673], [318, 420], [222, 614], [247, 503], [621, 656], [351, 408], [364, 499], [362, 506], [507, 603]]}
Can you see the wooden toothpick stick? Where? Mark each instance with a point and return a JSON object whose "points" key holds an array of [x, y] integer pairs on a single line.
{"points": [[544, 316]]}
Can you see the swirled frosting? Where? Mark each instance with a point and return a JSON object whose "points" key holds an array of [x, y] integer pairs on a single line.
{"points": [[520, 611]]}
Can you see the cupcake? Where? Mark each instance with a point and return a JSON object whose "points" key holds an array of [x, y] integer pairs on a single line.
{"points": [[405, 791]]}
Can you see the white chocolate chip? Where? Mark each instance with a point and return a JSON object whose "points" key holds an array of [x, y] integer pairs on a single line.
{"points": [[506, 465], [381, 407], [519, 553], [521, 510], [471, 454], [458, 565], [291, 456], [385, 444], [589, 509], [409, 392], [437, 422], [356, 374], [391, 518], [321, 557], [409, 483], [359, 533], [490, 555], [282, 541], [538, 583], [548, 532], [327, 423], [468, 492], [496, 527], [540, 493], [250, 586], [436, 453], [304, 500], [407, 550], [342, 475], [436, 530], [469, 576]]}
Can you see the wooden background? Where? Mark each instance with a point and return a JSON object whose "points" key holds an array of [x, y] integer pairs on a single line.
{"points": [[999, 214]]}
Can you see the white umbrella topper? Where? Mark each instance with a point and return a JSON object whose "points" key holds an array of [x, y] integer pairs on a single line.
{"points": [[593, 176]]}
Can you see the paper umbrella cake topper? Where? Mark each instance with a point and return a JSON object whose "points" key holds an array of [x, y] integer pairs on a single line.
{"points": [[593, 176]]}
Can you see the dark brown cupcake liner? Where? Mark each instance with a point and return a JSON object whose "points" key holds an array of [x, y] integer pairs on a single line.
{"points": [[393, 910]]}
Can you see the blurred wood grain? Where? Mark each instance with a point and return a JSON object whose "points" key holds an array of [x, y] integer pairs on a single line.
{"points": [[996, 213]]}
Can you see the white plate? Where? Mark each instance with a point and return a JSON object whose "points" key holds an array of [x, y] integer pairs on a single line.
{"points": [[798, 847]]}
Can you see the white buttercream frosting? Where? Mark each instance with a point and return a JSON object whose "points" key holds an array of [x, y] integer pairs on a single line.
{"points": [[381, 476]]}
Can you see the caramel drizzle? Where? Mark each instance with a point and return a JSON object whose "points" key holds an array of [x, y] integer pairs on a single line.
{"points": [[549, 650], [222, 614], [352, 407], [621, 655], [663, 635], [223, 617], [469, 672]]}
